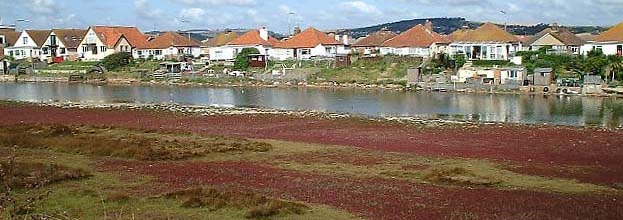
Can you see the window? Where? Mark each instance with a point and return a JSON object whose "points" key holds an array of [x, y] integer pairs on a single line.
{"points": [[10, 53], [63, 50], [53, 40], [103, 49], [620, 50], [305, 51], [140, 52], [1, 40], [158, 52], [25, 40], [45, 50]]}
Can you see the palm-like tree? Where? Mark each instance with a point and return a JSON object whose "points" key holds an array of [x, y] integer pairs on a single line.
{"points": [[615, 67]]}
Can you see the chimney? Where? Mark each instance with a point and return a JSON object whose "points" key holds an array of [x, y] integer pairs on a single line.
{"points": [[429, 25], [555, 26], [297, 30], [264, 33], [345, 39]]}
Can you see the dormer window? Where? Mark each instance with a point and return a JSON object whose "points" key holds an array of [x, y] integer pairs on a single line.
{"points": [[25, 40]]}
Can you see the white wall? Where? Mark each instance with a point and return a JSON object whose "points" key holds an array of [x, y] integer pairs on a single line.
{"points": [[102, 50], [161, 54], [229, 52], [407, 51], [497, 49], [23, 50], [59, 49]]}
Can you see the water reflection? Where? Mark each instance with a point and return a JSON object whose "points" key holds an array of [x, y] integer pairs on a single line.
{"points": [[562, 110]]}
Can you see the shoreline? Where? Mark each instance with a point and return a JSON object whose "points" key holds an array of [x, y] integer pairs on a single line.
{"points": [[216, 110], [322, 85]]}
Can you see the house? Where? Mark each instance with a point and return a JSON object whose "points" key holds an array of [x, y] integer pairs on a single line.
{"points": [[420, 41], [308, 44], [488, 42], [4, 63], [609, 42], [492, 75], [101, 41], [169, 45], [372, 43], [557, 39], [28, 45], [219, 40], [8, 36], [258, 38], [62, 44]]}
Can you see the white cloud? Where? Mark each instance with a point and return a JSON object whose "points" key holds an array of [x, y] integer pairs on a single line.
{"points": [[362, 7], [144, 10], [217, 2], [193, 14]]}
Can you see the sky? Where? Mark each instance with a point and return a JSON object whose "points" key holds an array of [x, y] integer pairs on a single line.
{"points": [[278, 15]]}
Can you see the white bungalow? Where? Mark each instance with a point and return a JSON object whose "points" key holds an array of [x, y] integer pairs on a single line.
{"points": [[488, 42], [169, 45], [28, 45], [609, 42], [308, 44], [259, 39], [419, 41]]}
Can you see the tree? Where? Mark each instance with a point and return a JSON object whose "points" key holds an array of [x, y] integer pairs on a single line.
{"points": [[116, 61], [242, 59], [615, 67]]}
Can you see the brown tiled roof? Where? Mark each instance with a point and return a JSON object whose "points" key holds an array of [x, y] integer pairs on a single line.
{"points": [[169, 39], [110, 35], [221, 39], [375, 39], [309, 38], [562, 34], [252, 37], [587, 36], [613, 34], [418, 36], [488, 32], [524, 38], [458, 34], [11, 36], [38, 36], [71, 38]]}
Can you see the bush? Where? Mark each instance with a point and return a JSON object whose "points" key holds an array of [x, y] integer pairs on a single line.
{"points": [[242, 59], [116, 61]]}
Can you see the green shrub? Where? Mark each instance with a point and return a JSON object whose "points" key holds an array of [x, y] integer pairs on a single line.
{"points": [[242, 59], [116, 61]]}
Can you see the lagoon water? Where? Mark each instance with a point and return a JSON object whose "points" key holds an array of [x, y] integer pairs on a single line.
{"points": [[529, 109]]}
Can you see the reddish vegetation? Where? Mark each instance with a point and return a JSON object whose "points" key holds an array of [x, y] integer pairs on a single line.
{"points": [[542, 145], [357, 159], [378, 198]]}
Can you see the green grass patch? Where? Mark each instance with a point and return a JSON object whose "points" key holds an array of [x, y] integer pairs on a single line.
{"points": [[114, 142]]}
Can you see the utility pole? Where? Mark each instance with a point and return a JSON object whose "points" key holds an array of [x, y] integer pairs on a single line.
{"points": [[290, 15], [505, 21]]}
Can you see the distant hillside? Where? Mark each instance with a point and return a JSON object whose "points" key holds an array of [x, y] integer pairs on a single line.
{"points": [[449, 25]]}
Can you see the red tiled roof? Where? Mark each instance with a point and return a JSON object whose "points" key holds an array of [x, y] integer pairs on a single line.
{"points": [[375, 39], [613, 34], [252, 37], [169, 39], [309, 38], [418, 36], [110, 35], [488, 32]]}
